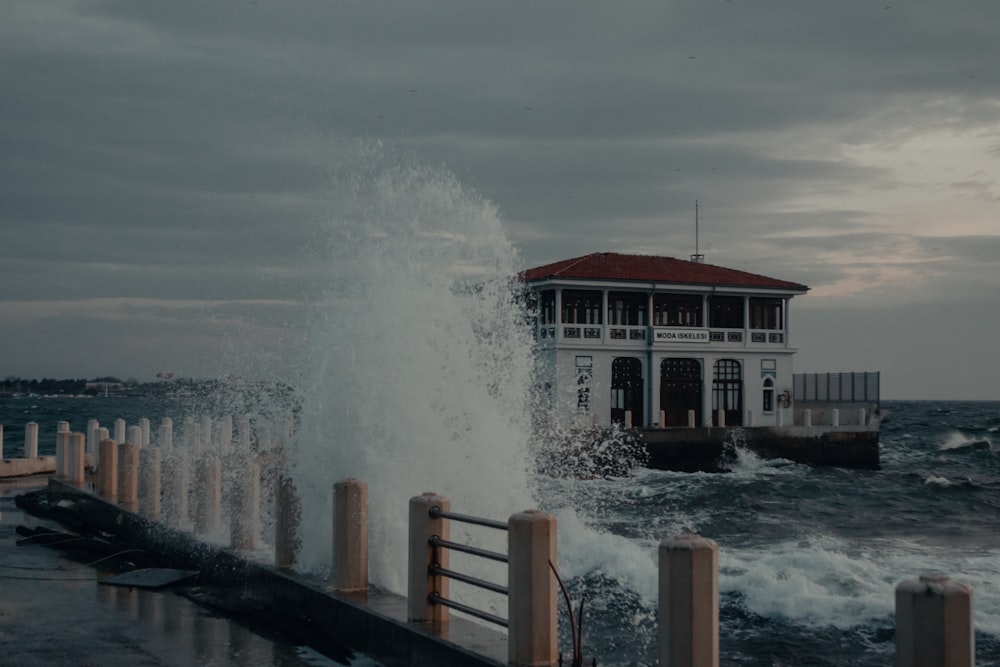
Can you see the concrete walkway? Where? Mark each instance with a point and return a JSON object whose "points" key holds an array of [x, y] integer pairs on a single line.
{"points": [[54, 611]]}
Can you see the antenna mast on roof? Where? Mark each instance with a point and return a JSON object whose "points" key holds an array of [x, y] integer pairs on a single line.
{"points": [[697, 256]]}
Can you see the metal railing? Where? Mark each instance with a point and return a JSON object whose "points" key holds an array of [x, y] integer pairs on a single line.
{"points": [[435, 569], [859, 387]]}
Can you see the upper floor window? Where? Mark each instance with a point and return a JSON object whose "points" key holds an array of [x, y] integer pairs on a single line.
{"points": [[725, 312], [677, 310], [627, 308], [581, 307], [766, 313]]}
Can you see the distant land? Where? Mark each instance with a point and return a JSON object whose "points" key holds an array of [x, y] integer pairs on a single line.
{"points": [[13, 387]]}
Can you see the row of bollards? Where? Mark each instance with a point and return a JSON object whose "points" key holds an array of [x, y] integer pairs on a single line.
{"points": [[934, 625]]}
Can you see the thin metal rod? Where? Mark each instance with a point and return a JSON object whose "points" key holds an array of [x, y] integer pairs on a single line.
{"points": [[436, 541], [434, 598], [437, 512], [436, 570]]}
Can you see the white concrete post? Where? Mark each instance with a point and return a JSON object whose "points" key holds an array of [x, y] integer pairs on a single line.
{"points": [[103, 434], [663, 418], [31, 443], [245, 434], [628, 419], [144, 426], [835, 417], [721, 418], [107, 471], [751, 419], [128, 476], [350, 535], [862, 416], [208, 495], [149, 482], [286, 524], [76, 451], [166, 434], [245, 511], [194, 441], [531, 584], [421, 585], [92, 442], [689, 602], [133, 435], [934, 625], [176, 488], [120, 433], [807, 418], [62, 454], [225, 435], [691, 419], [206, 432], [1, 443]]}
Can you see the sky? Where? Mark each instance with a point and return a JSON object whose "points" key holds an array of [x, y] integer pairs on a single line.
{"points": [[164, 165]]}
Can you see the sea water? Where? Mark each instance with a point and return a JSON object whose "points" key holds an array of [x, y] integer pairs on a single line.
{"points": [[809, 557], [417, 378]]}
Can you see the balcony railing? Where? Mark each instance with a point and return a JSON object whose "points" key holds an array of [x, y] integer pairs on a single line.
{"points": [[614, 334]]}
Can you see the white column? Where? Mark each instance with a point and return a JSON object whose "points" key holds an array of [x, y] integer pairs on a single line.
{"points": [[934, 625], [689, 602], [531, 585], [119, 431], [420, 584], [31, 442], [107, 471], [350, 535]]}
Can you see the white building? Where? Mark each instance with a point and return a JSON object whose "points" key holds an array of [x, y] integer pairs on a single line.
{"points": [[661, 338]]}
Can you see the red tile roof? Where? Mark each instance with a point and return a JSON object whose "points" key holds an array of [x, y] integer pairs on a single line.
{"points": [[647, 268]]}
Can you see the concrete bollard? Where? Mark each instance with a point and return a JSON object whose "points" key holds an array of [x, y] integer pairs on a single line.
{"points": [[128, 476], [225, 430], [807, 418], [244, 443], [208, 495], [2, 455], [628, 419], [107, 471], [751, 418], [133, 436], [103, 434], [286, 525], [176, 486], [689, 602], [245, 511], [721, 418], [350, 535], [421, 585], [934, 625], [120, 432], [92, 442], [31, 443], [862, 416], [691, 419], [531, 603], [149, 482], [76, 457], [144, 429], [166, 434], [62, 454], [835, 417], [206, 433], [663, 418]]}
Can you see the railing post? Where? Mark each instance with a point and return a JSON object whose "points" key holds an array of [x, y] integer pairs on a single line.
{"points": [[934, 623], [149, 481], [62, 451], [286, 525], [245, 511], [689, 602], [531, 606], [31, 442], [76, 451], [420, 584], [350, 535], [128, 476], [107, 470], [208, 495], [92, 443]]}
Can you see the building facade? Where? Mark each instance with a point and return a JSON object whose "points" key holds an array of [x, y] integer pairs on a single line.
{"points": [[661, 342]]}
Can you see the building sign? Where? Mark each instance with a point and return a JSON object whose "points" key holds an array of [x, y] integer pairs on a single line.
{"points": [[679, 335]]}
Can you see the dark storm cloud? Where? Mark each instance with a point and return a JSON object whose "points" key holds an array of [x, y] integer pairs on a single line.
{"points": [[158, 152]]}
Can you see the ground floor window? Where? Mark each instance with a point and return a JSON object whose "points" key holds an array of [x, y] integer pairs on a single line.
{"points": [[768, 403]]}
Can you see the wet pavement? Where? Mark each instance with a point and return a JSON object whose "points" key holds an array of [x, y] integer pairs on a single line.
{"points": [[55, 611]]}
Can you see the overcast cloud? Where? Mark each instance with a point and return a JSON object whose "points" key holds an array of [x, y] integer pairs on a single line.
{"points": [[166, 166]]}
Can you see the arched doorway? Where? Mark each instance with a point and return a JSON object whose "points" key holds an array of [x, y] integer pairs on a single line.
{"points": [[727, 392], [680, 391], [626, 390]]}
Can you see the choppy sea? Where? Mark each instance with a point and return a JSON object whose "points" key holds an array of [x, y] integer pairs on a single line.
{"points": [[809, 557]]}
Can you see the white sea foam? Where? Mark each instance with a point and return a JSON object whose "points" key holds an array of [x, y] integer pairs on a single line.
{"points": [[416, 384]]}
